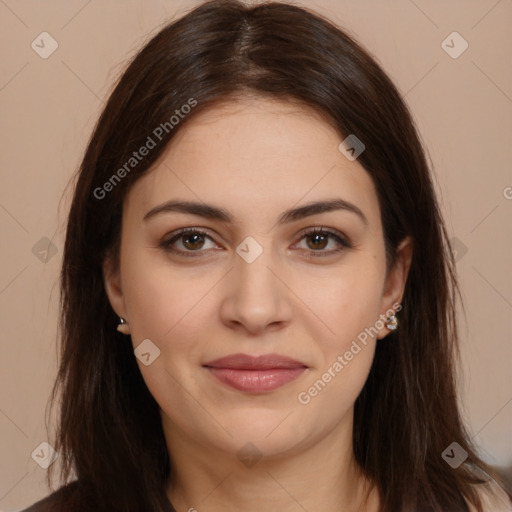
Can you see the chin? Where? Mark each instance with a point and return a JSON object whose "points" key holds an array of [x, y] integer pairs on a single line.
{"points": [[273, 433]]}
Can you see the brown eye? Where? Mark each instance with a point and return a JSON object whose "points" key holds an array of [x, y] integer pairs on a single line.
{"points": [[187, 241], [318, 241], [192, 241], [319, 238]]}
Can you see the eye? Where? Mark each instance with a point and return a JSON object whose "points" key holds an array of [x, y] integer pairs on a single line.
{"points": [[317, 240], [191, 239]]}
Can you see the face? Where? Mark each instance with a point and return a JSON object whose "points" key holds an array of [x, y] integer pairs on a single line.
{"points": [[248, 278]]}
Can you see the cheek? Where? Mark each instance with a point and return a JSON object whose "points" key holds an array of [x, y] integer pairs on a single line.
{"points": [[159, 300], [346, 302], [165, 308], [350, 307]]}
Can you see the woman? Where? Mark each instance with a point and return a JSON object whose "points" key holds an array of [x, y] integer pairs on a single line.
{"points": [[258, 295]]}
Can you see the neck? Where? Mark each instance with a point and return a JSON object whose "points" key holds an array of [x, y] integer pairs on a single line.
{"points": [[321, 477]]}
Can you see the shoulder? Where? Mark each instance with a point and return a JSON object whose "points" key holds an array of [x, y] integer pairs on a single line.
{"points": [[61, 496], [494, 498]]}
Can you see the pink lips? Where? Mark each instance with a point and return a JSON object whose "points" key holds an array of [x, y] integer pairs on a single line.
{"points": [[255, 374]]}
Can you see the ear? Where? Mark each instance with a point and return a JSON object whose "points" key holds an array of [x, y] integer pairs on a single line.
{"points": [[394, 285], [113, 288]]}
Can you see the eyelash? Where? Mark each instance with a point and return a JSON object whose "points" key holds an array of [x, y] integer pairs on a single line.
{"points": [[344, 242]]}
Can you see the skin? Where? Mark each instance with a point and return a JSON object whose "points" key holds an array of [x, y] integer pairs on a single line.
{"points": [[256, 158]]}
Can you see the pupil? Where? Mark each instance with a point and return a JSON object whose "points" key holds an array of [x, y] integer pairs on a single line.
{"points": [[317, 238], [194, 244]]}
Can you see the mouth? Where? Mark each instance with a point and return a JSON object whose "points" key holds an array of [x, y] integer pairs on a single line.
{"points": [[255, 374]]}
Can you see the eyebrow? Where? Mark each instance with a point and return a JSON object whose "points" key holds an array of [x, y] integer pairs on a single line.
{"points": [[220, 214]]}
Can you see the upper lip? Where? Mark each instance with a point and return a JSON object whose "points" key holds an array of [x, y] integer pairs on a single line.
{"points": [[248, 362]]}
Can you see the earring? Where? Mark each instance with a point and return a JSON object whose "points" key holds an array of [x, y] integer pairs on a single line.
{"points": [[123, 326], [392, 323]]}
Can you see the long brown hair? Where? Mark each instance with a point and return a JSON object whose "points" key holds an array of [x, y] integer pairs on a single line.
{"points": [[109, 432]]}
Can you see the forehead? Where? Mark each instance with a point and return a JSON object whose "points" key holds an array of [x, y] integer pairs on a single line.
{"points": [[255, 155]]}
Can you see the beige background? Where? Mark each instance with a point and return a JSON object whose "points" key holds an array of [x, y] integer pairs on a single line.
{"points": [[463, 108]]}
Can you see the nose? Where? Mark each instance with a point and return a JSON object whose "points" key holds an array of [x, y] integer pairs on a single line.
{"points": [[256, 297]]}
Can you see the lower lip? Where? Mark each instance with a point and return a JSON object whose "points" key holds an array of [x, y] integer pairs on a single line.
{"points": [[256, 381]]}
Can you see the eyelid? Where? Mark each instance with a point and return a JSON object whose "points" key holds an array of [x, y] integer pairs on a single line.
{"points": [[322, 229]]}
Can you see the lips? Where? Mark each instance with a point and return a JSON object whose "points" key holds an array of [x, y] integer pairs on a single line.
{"points": [[263, 362], [255, 374]]}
